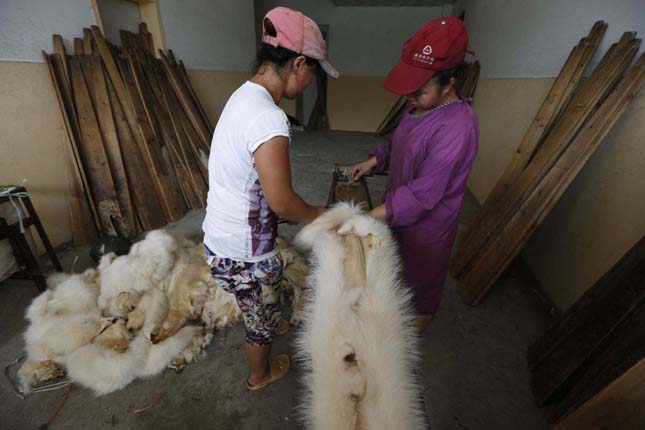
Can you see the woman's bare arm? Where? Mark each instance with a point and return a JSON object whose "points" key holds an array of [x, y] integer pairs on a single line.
{"points": [[274, 169]]}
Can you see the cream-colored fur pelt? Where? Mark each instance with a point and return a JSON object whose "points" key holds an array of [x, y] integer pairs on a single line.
{"points": [[358, 344], [135, 315]]}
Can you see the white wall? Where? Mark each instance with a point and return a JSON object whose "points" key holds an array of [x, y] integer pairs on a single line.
{"points": [[528, 38], [118, 15], [27, 26], [364, 41], [210, 34]]}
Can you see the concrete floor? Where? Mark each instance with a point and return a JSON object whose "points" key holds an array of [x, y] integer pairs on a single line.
{"points": [[473, 369]]}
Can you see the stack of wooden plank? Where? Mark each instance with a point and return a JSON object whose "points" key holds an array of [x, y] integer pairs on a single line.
{"points": [[596, 341], [136, 134], [465, 86], [569, 126]]}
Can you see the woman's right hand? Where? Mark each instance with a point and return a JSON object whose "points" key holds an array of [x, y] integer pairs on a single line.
{"points": [[359, 169]]}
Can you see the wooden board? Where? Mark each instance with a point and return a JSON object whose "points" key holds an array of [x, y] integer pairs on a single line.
{"points": [[83, 213], [610, 298], [152, 95], [139, 91], [92, 151], [78, 46], [556, 99], [584, 103], [591, 320], [196, 173], [619, 406], [509, 239], [183, 73], [187, 103], [125, 225], [146, 204], [142, 132], [623, 349], [87, 42]]}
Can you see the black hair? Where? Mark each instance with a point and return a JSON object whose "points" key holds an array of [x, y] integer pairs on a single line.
{"points": [[443, 76], [277, 55]]}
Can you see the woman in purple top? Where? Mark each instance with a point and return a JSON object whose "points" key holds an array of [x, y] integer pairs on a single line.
{"points": [[428, 160]]}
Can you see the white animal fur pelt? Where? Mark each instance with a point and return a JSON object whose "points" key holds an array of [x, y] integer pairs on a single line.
{"points": [[358, 344], [127, 319]]}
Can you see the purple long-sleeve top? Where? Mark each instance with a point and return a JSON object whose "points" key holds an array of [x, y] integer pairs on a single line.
{"points": [[428, 161]]}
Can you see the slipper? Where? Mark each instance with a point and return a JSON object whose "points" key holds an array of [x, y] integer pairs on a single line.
{"points": [[279, 368], [283, 327]]}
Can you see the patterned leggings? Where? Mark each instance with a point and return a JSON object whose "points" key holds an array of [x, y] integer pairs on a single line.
{"points": [[256, 288]]}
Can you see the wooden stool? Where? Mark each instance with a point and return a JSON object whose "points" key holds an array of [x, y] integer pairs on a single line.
{"points": [[27, 261]]}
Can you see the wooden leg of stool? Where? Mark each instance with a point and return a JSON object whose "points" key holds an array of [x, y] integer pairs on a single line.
{"points": [[43, 235]]}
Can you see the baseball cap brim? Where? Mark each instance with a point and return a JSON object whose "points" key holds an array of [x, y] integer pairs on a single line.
{"points": [[405, 79], [328, 68]]}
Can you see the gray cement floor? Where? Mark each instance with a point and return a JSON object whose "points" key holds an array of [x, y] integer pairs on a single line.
{"points": [[473, 372]]}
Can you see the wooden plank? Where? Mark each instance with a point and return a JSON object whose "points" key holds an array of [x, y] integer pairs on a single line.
{"points": [[144, 137], [92, 151], [507, 242], [59, 48], [87, 42], [184, 127], [611, 295], [146, 204], [392, 118], [183, 73], [84, 217], [623, 349], [601, 309], [147, 36], [125, 225], [619, 406], [557, 97], [191, 110], [151, 94], [583, 104], [190, 153], [140, 93], [189, 167], [78, 46]]}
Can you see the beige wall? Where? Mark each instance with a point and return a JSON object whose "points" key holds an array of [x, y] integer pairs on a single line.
{"points": [[600, 216], [32, 145], [358, 103]]}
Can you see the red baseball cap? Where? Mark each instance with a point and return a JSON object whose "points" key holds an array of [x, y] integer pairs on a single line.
{"points": [[440, 45], [300, 34]]}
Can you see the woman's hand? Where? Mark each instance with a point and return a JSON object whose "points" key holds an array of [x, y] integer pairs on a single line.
{"points": [[362, 168], [379, 212]]}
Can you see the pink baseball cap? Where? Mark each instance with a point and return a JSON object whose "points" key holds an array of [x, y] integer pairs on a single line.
{"points": [[299, 34]]}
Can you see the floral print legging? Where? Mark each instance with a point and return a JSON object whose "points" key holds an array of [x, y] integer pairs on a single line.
{"points": [[256, 286]]}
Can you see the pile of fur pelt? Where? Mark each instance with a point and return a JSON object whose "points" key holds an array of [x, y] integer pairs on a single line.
{"points": [[358, 344], [131, 317]]}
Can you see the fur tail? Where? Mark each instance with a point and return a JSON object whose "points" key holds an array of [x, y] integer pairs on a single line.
{"points": [[104, 370]]}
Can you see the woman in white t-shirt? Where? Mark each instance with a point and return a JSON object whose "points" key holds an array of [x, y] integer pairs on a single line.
{"points": [[250, 184]]}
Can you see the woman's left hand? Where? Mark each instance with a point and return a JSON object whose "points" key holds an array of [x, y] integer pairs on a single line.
{"points": [[379, 212]]}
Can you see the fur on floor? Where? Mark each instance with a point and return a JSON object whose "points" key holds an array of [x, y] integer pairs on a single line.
{"points": [[358, 344], [293, 288], [135, 315]]}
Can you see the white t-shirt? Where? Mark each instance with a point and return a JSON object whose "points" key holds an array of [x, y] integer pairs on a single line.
{"points": [[239, 223]]}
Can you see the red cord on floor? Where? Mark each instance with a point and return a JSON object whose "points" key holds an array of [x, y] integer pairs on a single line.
{"points": [[51, 418], [156, 399]]}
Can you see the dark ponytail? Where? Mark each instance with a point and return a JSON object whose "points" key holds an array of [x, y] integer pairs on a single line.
{"points": [[278, 56]]}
